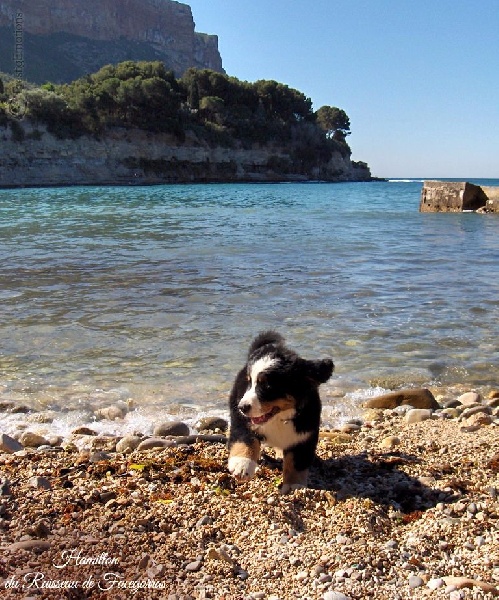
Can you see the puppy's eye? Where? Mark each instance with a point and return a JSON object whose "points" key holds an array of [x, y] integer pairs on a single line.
{"points": [[263, 381]]}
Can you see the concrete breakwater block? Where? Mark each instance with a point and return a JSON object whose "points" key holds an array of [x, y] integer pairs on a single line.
{"points": [[458, 196]]}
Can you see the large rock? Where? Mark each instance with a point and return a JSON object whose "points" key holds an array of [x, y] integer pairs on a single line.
{"points": [[417, 398]]}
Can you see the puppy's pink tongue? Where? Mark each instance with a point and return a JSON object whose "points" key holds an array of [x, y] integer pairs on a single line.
{"points": [[266, 417], [259, 420]]}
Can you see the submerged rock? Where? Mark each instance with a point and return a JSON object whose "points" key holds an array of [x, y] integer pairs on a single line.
{"points": [[112, 413], [83, 431]]}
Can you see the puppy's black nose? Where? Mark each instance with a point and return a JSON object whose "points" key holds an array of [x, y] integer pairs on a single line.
{"points": [[245, 408]]}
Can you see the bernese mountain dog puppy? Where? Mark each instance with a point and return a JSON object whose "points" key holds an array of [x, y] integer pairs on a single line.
{"points": [[275, 402]]}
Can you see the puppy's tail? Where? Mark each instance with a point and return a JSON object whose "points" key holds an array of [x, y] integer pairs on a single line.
{"points": [[264, 339]]}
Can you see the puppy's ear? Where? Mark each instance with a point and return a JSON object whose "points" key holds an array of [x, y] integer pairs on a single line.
{"points": [[319, 370]]}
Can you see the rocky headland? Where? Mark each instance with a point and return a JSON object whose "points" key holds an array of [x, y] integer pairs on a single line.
{"points": [[403, 503], [136, 96]]}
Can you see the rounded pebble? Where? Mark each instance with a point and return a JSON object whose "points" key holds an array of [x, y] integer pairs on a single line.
{"points": [[83, 431], [174, 428], [415, 581], [390, 442], [417, 415], [40, 483], [212, 424], [469, 398], [151, 443], [32, 440], [194, 566], [128, 444], [436, 583], [333, 595]]}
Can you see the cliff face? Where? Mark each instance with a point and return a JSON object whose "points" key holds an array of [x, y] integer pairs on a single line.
{"points": [[104, 31], [126, 157]]}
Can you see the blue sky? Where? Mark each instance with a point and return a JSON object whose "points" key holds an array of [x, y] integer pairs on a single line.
{"points": [[419, 79]]}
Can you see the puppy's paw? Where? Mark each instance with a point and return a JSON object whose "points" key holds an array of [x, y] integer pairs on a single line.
{"points": [[287, 488], [242, 467]]}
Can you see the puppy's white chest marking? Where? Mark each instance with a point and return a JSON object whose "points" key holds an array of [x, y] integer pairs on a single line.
{"points": [[280, 432]]}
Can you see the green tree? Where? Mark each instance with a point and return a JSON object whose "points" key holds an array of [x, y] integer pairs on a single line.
{"points": [[334, 121], [280, 101], [132, 94], [212, 107]]}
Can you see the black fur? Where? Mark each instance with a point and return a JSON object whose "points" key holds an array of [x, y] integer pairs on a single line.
{"points": [[288, 377]]}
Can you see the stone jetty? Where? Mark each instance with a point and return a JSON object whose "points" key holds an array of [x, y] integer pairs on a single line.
{"points": [[458, 196]]}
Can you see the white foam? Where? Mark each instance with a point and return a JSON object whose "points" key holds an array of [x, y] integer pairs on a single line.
{"points": [[405, 180]]}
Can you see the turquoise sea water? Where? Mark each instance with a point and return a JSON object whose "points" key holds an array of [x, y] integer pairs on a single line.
{"points": [[151, 295]]}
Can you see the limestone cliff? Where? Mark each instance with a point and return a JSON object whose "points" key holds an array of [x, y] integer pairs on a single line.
{"points": [[137, 157], [65, 39]]}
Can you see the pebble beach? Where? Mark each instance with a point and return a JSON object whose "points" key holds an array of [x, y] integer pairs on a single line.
{"points": [[402, 503]]}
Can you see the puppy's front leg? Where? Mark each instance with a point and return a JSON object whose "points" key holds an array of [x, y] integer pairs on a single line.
{"points": [[243, 458]]}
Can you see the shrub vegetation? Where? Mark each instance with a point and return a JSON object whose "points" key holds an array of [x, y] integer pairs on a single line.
{"points": [[218, 109]]}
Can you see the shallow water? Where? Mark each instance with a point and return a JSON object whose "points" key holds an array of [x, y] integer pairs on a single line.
{"points": [[151, 295]]}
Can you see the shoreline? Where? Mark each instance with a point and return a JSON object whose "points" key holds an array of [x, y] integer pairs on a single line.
{"points": [[189, 182], [396, 508], [125, 415]]}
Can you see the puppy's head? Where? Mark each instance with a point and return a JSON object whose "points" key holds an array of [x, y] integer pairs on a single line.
{"points": [[278, 380]]}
